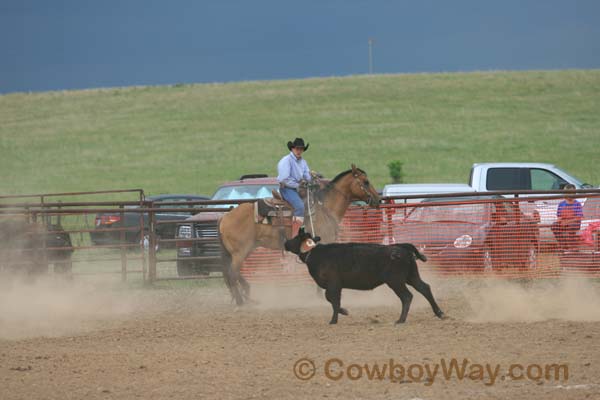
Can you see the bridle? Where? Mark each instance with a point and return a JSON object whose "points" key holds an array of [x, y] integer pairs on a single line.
{"points": [[365, 190], [346, 197], [361, 186]]}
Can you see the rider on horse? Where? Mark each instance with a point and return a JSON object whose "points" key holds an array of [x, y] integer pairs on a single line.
{"points": [[293, 172]]}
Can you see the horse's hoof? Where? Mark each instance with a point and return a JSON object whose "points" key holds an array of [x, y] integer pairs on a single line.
{"points": [[398, 323], [332, 322], [251, 301], [239, 303], [343, 311], [442, 316]]}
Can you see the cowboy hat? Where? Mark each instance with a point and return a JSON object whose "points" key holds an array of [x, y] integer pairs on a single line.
{"points": [[298, 142]]}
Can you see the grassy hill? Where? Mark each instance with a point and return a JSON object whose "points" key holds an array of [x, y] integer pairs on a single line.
{"points": [[190, 138]]}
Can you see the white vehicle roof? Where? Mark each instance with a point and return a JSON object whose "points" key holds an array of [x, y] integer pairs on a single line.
{"points": [[550, 167], [517, 164], [399, 189]]}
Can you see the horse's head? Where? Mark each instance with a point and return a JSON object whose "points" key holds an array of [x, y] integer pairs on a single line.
{"points": [[361, 188]]}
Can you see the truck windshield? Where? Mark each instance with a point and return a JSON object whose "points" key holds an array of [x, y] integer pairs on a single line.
{"points": [[242, 192], [578, 183]]}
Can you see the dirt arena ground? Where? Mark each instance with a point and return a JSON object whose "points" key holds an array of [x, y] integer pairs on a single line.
{"points": [[97, 340]]}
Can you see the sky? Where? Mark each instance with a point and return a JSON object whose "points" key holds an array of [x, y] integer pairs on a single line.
{"points": [[78, 44]]}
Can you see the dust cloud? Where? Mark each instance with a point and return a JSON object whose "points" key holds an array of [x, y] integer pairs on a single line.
{"points": [[306, 295], [569, 299], [472, 300], [50, 306]]}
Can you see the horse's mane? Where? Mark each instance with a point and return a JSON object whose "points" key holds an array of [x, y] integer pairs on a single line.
{"points": [[323, 192]]}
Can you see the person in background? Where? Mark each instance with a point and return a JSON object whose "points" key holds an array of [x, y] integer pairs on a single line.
{"points": [[292, 173], [569, 215]]}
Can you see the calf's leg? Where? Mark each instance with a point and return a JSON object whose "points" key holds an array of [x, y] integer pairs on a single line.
{"points": [[333, 294], [343, 311], [425, 290], [422, 287], [405, 297]]}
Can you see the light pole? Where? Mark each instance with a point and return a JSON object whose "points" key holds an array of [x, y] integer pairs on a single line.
{"points": [[371, 55]]}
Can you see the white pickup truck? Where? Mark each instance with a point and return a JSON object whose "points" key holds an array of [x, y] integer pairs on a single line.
{"points": [[486, 177], [507, 177], [520, 176], [526, 176]]}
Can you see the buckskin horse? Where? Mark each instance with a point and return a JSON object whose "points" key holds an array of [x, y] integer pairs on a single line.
{"points": [[240, 234]]}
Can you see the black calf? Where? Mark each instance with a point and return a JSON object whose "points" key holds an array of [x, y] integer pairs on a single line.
{"points": [[363, 267]]}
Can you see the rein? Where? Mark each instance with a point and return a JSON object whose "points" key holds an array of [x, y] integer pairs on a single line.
{"points": [[310, 218], [362, 187], [326, 212]]}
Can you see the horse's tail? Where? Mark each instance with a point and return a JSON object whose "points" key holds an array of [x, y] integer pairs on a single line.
{"points": [[225, 258], [232, 278]]}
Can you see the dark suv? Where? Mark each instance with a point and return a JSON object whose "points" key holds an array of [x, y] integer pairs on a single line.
{"points": [[31, 246], [109, 226], [202, 256]]}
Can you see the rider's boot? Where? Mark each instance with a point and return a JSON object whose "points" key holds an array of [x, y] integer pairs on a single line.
{"points": [[297, 222]]}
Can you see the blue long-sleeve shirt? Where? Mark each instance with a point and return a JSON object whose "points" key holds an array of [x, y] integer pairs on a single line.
{"points": [[291, 171]]}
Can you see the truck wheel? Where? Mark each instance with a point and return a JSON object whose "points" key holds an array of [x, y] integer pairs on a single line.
{"points": [[184, 268], [38, 266], [63, 267], [187, 268]]}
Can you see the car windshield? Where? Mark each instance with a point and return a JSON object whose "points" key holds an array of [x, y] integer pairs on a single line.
{"points": [[577, 182], [183, 203], [242, 192]]}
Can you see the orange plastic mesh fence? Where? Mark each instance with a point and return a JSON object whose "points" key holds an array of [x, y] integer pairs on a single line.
{"points": [[475, 236]]}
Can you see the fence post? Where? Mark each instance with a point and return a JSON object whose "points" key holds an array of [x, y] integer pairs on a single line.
{"points": [[143, 241], [123, 249], [152, 247], [44, 233], [33, 261], [389, 227]]}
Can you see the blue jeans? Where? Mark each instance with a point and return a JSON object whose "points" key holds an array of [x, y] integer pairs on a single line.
{"points": [[292, 197]]}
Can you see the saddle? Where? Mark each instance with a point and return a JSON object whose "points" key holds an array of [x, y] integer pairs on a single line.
{"points": [[273, 211], [278, 212]]}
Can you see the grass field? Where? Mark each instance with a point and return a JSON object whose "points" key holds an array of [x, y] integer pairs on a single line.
{"points": [[190, 138]]}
